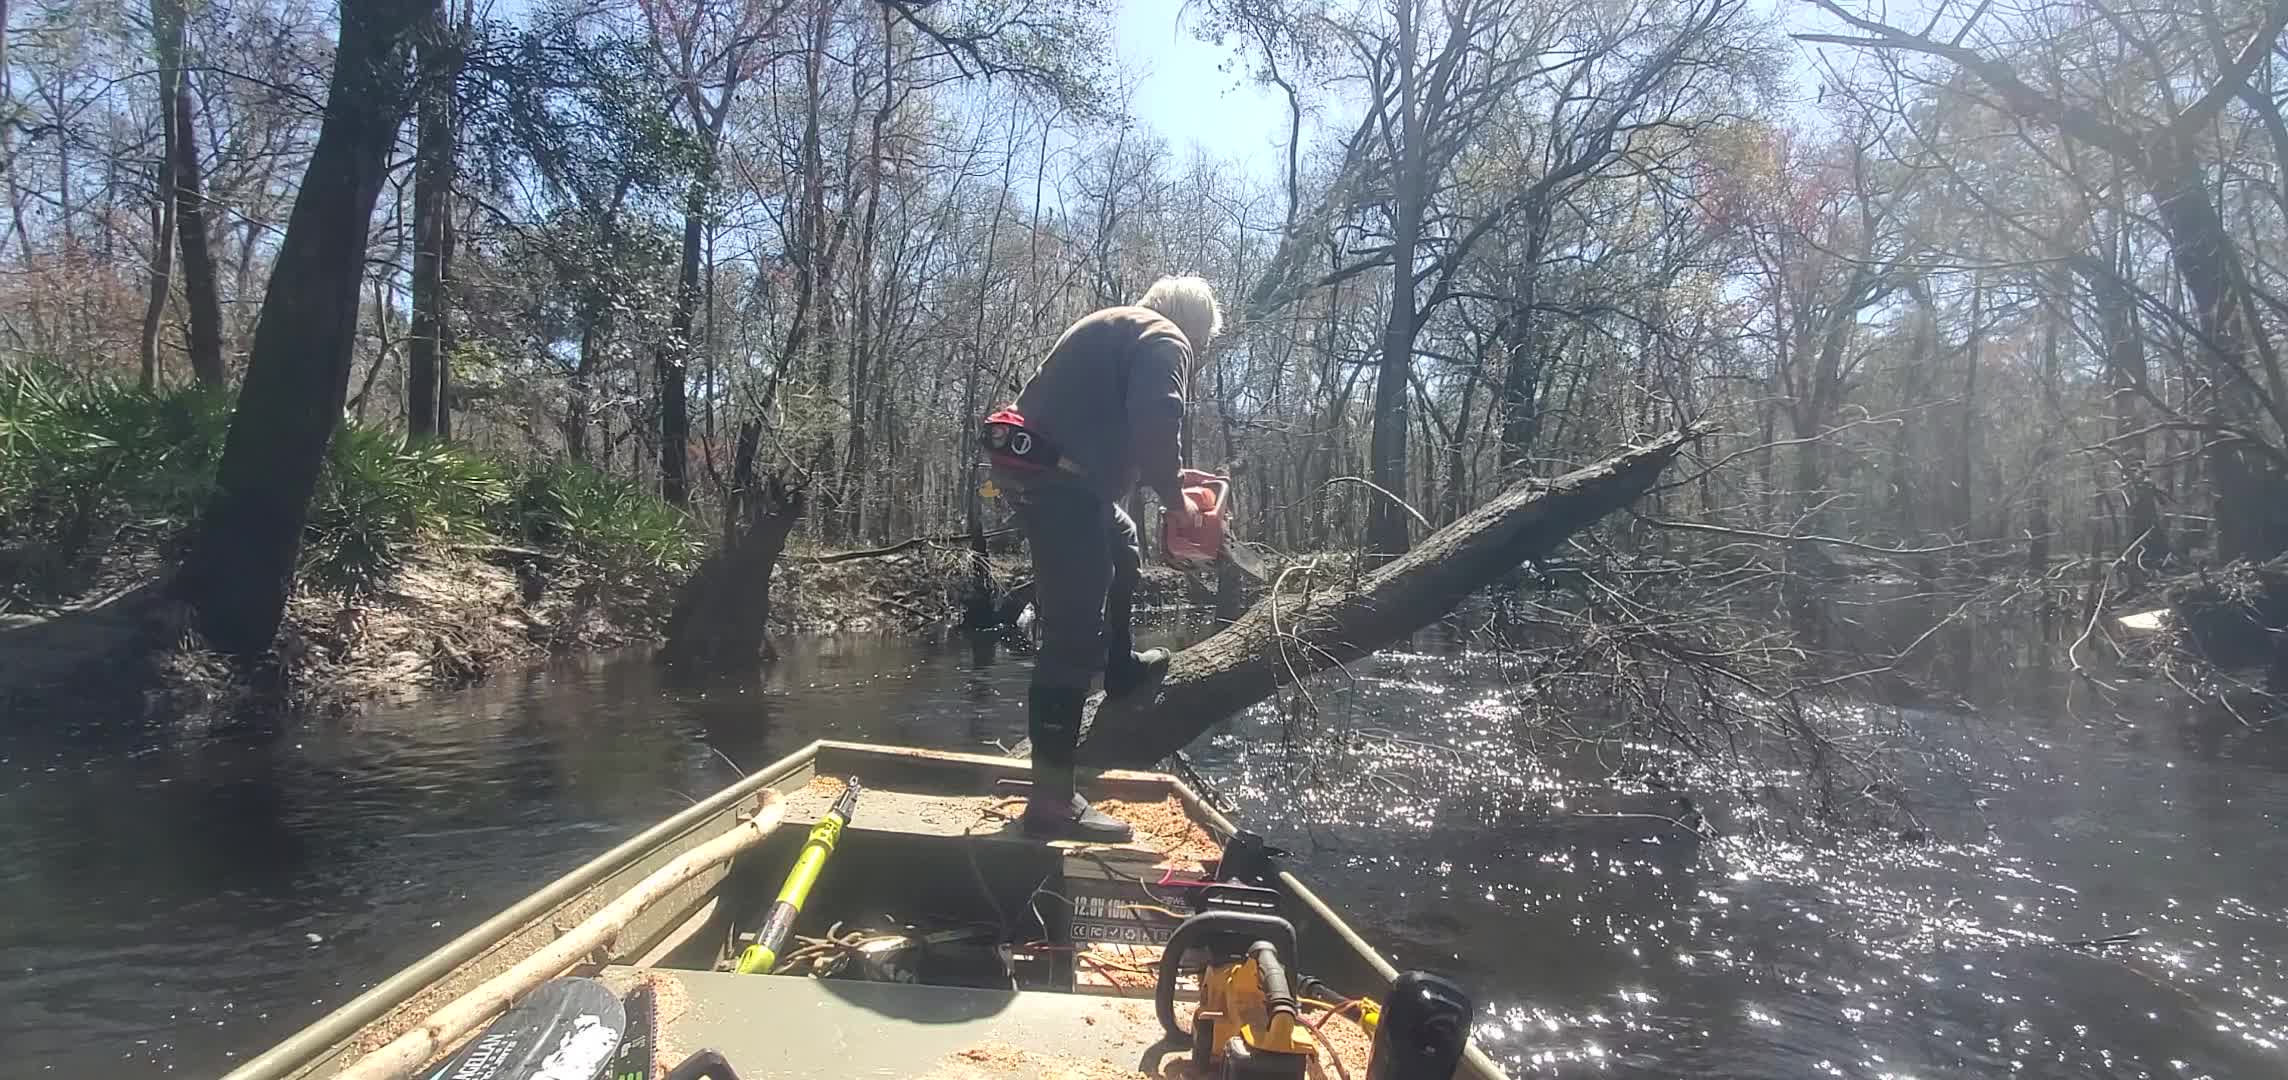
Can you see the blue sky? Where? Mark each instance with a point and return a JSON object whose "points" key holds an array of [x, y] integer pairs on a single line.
{"points": [[1179, 87], [1180, 91]]}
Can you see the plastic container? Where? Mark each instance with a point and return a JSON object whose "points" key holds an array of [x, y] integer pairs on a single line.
{"points": [[1204, 541]]}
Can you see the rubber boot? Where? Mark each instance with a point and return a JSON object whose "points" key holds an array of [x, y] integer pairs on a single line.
{"points": [[1125, 670], [1055, 811]]}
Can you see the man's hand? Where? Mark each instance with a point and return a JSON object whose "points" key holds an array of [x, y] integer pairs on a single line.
{"points": [[1180, 508]]}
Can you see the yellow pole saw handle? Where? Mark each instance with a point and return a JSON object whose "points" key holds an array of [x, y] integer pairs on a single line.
{"points": [[760, 957]]}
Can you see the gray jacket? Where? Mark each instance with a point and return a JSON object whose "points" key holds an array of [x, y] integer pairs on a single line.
{"points": [[1110, 399]]}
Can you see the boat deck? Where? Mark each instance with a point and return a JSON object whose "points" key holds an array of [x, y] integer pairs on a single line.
{"points": [[806, 1028], [939, 943], [1165, 831]]}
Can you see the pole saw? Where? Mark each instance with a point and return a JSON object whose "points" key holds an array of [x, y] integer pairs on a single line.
{"points": [[760, 957]]}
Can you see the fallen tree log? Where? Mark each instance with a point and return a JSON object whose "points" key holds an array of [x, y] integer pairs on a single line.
{"points": [[904, 546], [1285, 636]]}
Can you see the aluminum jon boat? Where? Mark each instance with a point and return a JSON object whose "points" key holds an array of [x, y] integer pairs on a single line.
{"points": [[931, 939]]}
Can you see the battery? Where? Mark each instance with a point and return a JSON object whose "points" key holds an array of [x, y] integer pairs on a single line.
{"points": [[1117, 900]]}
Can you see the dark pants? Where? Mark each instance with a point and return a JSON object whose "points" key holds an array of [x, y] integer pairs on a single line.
{"points": [[1085, 563]]}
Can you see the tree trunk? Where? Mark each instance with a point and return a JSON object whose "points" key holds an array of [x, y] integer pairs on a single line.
{"points": [[852, 498], [240, 567], [1248, 661], [449, 235], [2125, 373], [576, 396], [671, 361], [809, 232], [1907, 455], [432, 185], [742, 480], [162, 230], [2249, 491], [1966, 435], [2038, 540], [1521, 373], [722, 615], [1387, 535], [199, 290], [447, 238]]}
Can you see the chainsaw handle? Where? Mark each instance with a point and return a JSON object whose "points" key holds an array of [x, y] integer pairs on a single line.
{"points": [[1235, 932], [1218, 486], [1271, 976]]}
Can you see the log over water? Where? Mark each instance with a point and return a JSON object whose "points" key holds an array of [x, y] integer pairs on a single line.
{"points": [[1287, 636]]}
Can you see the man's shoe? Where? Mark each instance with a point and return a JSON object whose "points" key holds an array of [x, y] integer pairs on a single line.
{"points": [[1129, 672], [1072, 818], [1055, 811]]}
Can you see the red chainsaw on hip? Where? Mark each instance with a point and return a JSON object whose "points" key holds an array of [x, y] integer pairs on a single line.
{"points": [[1011, 445]]}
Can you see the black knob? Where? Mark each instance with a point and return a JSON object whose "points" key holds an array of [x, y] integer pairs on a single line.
{"points": [[1425, 1027]]}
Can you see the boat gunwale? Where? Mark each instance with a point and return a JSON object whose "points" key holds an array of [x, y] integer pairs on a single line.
{"points": [[311, 1044], [1473, 1058], [308, 1044]]}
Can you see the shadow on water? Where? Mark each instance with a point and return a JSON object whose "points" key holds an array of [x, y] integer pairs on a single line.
{"points": [[174, 904]]}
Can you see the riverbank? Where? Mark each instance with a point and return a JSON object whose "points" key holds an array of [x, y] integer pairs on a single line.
{"points": [[451, 616], [424, 566]]}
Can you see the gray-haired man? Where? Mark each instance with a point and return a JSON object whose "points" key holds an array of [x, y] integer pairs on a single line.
{"points": [[1102, 415]]}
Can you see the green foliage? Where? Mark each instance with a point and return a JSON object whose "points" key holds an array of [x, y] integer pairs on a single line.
{"points": [[75, 453], [580, 111], [606, 518], [381, 496]]}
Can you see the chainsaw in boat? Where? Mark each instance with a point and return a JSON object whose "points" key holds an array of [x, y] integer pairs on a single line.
{"points": [[868, 911]]}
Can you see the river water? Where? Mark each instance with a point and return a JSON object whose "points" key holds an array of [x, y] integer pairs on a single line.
{"points": [[170, 904]]}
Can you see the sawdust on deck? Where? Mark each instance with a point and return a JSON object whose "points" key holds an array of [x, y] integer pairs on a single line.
{"points": [[1162, 826], [999, 1061], [1340, 1038]]}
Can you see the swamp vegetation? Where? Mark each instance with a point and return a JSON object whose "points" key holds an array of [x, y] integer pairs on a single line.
{"points": [[1737, 382]]}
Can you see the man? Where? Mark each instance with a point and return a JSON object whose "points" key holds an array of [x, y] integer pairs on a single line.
{"points": [[1103, 414]]}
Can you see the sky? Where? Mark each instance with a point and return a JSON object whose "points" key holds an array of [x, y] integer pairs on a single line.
{"points": [[1181, 90]]}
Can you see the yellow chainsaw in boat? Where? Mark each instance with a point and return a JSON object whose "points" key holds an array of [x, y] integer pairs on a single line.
{"points": [[1248, 1023], [930, 936]]}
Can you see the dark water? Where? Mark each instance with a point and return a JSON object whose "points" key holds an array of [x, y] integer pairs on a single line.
{"points": [[174, 905]]}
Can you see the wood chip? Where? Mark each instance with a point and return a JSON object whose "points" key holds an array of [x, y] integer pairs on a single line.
{"points": [[1000, 1061], [1165, 827], [1342, 1038]]}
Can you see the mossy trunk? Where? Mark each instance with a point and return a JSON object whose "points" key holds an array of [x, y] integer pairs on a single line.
{"points": [[722, 616]]}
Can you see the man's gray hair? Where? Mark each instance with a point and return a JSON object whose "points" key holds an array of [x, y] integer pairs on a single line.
{"points": [[1188, 302]]}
